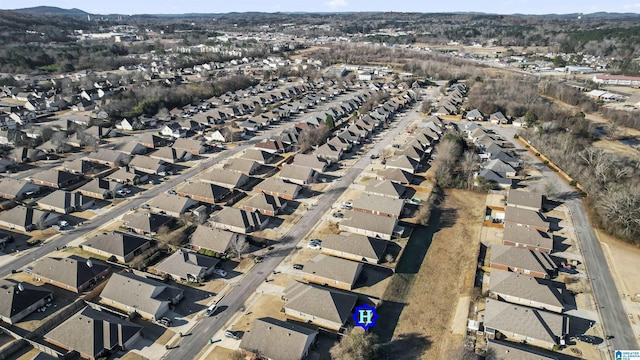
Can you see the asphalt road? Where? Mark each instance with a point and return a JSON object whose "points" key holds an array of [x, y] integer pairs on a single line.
{"points": [[192, 345], [612, 313]]}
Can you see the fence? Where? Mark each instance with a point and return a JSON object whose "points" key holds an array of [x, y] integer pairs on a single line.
{"points": [[551, 164]]}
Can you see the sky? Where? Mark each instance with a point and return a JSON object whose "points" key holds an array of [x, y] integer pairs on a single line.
{"points": [[224, 6]]}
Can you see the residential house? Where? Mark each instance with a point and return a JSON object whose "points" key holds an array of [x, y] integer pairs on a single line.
{"points": [[272, 146], [119, 245], [26, 218], [191, 146], [221, 136], [21, 155], [354, 247], [170, 155], [332, 271], [172, 205], [525, 200], [526, 290], [245, 166], [526, 237], [125, 124], [225, 177], [474, 115], [379, 205], [18, 300], [148, 298], [265, 204], [133, 148], [54, 178], [386, 188], [152, 141], [329, 153], [72, 273], [82, 166], [404, 163], [413, 151], [525, 218], [174, 130], [340, 143], [99, 132], [16, 189], [93, 334], [65, 202], [203, 192], [501, 168], [312, 161], [509, 159], [327, 308], [505, 350], [270, 338], [523, 324], [216, 240], [100, 189], [145, 223], [238, 220], [296, 174], [498, 118], [396, 175], [491, 177], [112, 158], [258, 155], [375, 226], [524, 261], [187, 265], [278, 187], [127, 176], [148, 165]]}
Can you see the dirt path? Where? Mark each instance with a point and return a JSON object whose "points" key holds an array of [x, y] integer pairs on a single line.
{"points": [[446, 274]]}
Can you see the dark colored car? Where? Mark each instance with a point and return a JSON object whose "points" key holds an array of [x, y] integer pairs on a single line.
{"points": [[589, 339], [298, 266], [568, 270]]}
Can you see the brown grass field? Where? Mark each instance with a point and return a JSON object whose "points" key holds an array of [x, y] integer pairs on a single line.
{"points": [[446, 273]]}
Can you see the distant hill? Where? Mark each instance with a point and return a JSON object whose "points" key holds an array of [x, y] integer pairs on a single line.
{"points": [[52, 10]]}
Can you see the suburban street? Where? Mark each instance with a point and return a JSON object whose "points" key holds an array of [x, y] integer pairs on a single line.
{"points": [[612, 313], [192, 345]]}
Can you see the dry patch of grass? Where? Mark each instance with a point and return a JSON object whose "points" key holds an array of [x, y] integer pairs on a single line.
{"points": [[616, 147], [132, 356], [220, 353], [266, 305], [626, 265], [446, 273]]}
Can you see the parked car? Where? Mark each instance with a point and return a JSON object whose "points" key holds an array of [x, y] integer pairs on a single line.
{"points": [[232, 334], [220, 272], [314, 246], [121, 192], [63, 223], [384, 161], [315, 241], [298, 266], [56, 227], [374, 156], [338, 215], [589, 339], [210, 310], [568, 270], [171, 192], [258, 259], [145, 206], [165, 321]]}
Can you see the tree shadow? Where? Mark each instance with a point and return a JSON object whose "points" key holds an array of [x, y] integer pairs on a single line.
{"points": [[448, 217], [405, 346]]}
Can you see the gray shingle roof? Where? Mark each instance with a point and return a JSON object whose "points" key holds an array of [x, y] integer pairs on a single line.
{"points": [[524, 287], [171, 203], [521, 320], [355, 244], [65, 199], [116, 243], [73, 270], [139, 293], [212, 239], [528, 236], [274, 184], [277, 339], [263, 201], [509, 351], [25, 216], [329, 304], [90, 332], [379, 203], [185, 264], [396, 175], [146, 222], [334, 268], [225, 177], [385, 188], [525, 217], [296, 172], [13, 300], [524, 198], [522, 258], [376, 223], [239, 218]]}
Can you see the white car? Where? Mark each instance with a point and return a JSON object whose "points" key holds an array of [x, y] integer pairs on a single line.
{"points": [[63, 223], [220, 272], [314, 246]]}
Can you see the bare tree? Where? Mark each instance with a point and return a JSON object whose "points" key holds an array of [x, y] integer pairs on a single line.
{"points": [[356, 344], [239, 246]]}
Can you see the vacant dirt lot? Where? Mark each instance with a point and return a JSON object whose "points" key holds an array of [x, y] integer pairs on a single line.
{"points": [[446, 273], [266, 305]]}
